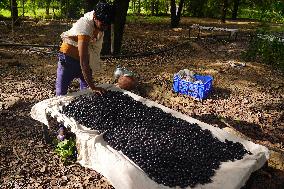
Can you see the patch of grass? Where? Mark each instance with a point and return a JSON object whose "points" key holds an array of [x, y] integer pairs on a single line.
{"points": [[278, 28], [148, 19], [132, 19], [273, 28], [38, 13]]}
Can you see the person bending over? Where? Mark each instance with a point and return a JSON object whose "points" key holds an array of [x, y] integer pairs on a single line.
{"points": [[80, 50]]}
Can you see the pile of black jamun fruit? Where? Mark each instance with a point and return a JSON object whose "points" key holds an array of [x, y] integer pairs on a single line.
{"points": [[170, 150]]}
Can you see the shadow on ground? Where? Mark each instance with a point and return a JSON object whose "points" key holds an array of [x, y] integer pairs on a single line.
{"points": [[266, 177], [251, 130], [219, 93]]}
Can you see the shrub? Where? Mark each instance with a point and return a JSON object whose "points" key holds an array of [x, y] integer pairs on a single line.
{"points": [[266, 48]]}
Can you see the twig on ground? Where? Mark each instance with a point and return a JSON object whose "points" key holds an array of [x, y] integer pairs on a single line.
{"points": [[16, 154]]}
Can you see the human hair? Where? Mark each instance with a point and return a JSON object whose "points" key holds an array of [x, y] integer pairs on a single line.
{"points": [[104, 12]]}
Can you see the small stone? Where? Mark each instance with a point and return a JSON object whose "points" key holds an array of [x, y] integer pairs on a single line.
{"points": [[64, 178], [43, 169]]}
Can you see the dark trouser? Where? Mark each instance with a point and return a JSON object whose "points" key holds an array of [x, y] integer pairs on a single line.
{"points": [[67, 70]]}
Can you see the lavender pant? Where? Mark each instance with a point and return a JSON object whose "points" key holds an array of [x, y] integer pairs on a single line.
{"points": [[68, 69]]}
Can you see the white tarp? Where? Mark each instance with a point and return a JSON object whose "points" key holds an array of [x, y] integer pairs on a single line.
{"points": [[122, 173]]}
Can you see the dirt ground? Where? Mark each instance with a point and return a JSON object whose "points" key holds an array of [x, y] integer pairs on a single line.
{"points": [[248, 100]]}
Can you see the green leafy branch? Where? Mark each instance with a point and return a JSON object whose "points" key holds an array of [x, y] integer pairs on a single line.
{"points": [[66, 149]]}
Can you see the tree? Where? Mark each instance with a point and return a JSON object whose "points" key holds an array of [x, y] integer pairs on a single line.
{"points": [[14, 12], [224, 10], [176, 13], [121, 7], [235, 9], [152, 7], [117, 29]]}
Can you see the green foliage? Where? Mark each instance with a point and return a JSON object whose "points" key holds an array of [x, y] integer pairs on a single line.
{"points": [[269, 11], [277, 28], [5, 13], [73, 9], [268, 15], [267, 48], [196, 8], [4, 4], [66, 149], [37, 8], [212, 9]]}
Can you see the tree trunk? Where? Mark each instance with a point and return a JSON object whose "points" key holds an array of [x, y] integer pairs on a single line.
{"points": [[180, 7], [157, 8], [152, 7], [173, 13], [224, 11], [176, 14], [235, 9], [106, 48], [121, 7], [14, 12]]}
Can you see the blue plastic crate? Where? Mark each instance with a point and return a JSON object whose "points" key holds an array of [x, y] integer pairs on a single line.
{"points": [[196, 90]]}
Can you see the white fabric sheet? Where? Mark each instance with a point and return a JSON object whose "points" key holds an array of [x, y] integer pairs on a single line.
{"points": [[122, 173]]}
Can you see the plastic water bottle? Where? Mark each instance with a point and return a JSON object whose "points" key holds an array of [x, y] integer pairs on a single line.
{"points": [[119, 71]]}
